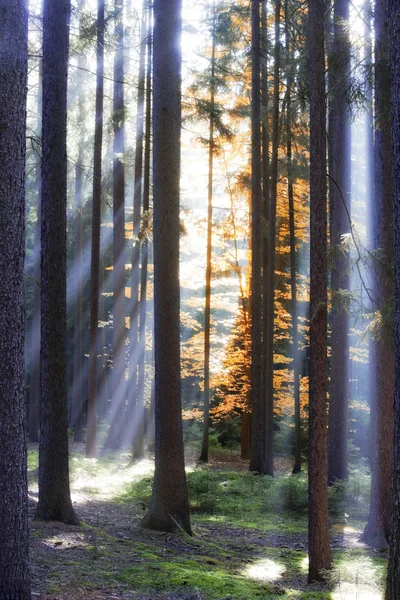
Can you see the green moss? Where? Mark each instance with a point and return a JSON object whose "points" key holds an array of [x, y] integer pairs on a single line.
{"points": [[203, 575]]}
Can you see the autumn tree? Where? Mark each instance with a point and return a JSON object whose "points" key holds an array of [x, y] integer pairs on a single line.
{"points": [[169, 509], [54, 492]]}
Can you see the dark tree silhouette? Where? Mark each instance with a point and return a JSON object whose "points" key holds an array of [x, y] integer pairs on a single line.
{"points": [[54, 493], [169, 509], [14, 540], [376, 532], [339, 195], [393, 576], [96, 222], [318, 531]]}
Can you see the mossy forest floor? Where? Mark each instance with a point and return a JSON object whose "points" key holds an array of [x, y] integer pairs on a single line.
{"points": [[250, 536]]}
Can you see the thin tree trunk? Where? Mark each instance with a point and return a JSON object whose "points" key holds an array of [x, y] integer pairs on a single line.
{"points": [[339, 193], [292, 236], [34, 388], [266, 192], [257, 461], [319, 551], [270, 297], [54, 493], [393, 575], [77, 387], [14, 536], [207, 310], [145, 244], [376, 532], [96, 226], [118, 404], [133, 397], [169, 509]]}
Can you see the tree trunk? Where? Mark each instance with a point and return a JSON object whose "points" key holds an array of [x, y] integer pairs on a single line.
{"points": [[318, 531], [14, 537], [207, 310], [118, 403], [133, 397], [169, 509], [77, 387], [96, 226], [393, 575], [145, 244], [340, 190], [270, 293], [54, 493], [257, 461], [293, 261], [376, 532]]}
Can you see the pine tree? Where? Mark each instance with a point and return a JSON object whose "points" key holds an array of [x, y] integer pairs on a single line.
{"points": [[14, 540], [169, 509], [54, 493]]}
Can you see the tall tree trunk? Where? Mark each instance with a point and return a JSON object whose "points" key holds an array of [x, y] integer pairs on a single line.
{"points": [[118, 404], [96, 226], [133, 397], [145, 244], [339, 193], [393, 575], [77, 387], [169, 509], [207, 310], [266, 195], [270, 297], [292, 237], [319, 551], [34, 388], [376, 532], [14, 537], [257, 461], [54, 493]]}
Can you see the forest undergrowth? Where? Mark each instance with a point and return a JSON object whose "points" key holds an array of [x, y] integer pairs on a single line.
{"points": [[250, 536]]}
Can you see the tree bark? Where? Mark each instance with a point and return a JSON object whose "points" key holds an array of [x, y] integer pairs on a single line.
{"points": [[118, 403], [319, 551], [169, 509], [14, 537], [340, 190], [77, 387], [96, 227], [54, 493], [393, 575], [293, 258], [376, 532], [257, 461], [207, 310]]}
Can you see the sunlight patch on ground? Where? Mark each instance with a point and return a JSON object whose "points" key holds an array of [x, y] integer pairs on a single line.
{"points": [[356, 579], [91, 478], [66, 540], [265, 570]]}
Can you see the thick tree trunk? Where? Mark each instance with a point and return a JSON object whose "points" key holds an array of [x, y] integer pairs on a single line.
{"points": [[54, 493], [118, 403], [96, 226], [319, 551], [376, 532], [136, 415], [169, 509], [257, 461], [207, 310], [393, 575], [340, 189], [14, 539]]}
